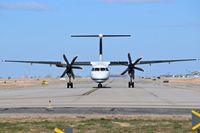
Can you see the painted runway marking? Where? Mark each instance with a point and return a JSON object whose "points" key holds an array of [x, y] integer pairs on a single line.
{"points": [[89, 92], [95, 89]]}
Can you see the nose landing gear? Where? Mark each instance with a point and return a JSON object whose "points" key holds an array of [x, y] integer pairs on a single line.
{"points": [[100, 85]]}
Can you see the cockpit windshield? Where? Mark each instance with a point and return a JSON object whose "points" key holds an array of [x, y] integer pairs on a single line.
{"points": [[96, 69], [103, 69], [99, 69]]}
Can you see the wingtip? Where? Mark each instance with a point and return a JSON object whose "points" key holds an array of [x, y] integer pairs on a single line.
{"points": [[195, 59]]}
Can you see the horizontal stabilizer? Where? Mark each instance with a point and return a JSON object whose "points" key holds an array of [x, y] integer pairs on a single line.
{"points": [[100, 35]]}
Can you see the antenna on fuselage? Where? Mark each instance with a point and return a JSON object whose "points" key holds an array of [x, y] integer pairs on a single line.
{"points": [[100, 36]]}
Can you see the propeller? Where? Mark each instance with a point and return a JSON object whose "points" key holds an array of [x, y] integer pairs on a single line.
{"points": [[131, 66], [69, 67]]}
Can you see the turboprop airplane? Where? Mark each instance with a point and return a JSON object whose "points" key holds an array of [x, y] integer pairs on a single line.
{"points": [[100, 69]]}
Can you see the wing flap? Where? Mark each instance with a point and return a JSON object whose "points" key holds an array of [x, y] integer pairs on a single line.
{"points": [[164, 61]]}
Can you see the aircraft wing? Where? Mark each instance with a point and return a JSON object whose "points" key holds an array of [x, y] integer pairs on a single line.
{"points": [[118, 63], [56, 63], [125, 63], [86, 63], [83, 63]]}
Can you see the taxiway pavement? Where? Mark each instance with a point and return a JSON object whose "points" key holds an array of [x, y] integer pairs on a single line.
{"points": [[115, 94]]}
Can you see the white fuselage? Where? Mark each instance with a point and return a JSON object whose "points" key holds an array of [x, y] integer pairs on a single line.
{"points": [[100, 72]]}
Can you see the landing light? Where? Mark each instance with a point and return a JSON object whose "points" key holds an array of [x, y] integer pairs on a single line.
{"points": [[62, 78]]}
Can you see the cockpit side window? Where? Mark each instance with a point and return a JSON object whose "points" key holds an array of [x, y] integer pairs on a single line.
{"points": [[96, 69]]}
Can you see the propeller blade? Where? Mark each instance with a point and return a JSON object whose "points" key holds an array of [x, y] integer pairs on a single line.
{"points": [[63, 73], [131, 67], [125, 71], [65, 58], [140, 69], [138, 60], [76, 67], [72, 73], [74, 59], [129, 58]]}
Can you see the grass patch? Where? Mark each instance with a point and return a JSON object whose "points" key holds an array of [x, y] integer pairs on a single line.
{"points": [[99, 125]]}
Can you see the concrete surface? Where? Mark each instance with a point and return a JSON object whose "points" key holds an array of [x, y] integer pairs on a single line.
{"points": [[115, 95]]}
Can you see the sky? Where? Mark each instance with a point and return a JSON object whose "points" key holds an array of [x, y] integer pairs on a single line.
{"points": [[41, 29]]}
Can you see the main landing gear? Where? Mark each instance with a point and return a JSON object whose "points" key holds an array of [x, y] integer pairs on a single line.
{"points": [[131, 84], [70, 83]]}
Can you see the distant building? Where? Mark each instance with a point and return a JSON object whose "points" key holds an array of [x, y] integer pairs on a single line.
{"points": [[196, 74], [166, 75]]}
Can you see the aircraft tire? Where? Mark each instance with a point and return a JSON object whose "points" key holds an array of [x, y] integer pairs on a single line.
{"points": [[71, 85], [129, 84], [99, 85], [133, 85], [67, 85]]}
